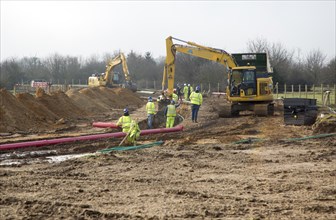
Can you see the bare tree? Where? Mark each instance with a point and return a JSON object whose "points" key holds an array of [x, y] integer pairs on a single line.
{"points": [[10, 72], [259, 45], [328, 74], [56, 66], [33, 68], [314, 63], [280, 57]]}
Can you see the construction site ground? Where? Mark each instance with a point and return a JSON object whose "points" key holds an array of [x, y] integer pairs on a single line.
{"points": [[202, 172]]}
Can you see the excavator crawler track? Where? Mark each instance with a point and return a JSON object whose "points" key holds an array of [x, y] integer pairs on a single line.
{"points": [[263, 109]]}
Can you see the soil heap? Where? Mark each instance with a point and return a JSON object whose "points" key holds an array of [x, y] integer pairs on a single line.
{"points": [[101, 99], [325, 124], [27, 113]]}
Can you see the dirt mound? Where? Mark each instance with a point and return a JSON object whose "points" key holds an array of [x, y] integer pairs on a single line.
{"points": [[41, 111], [28, 113], [325, 124], [100, 99], [15, 115], [61, 105]]}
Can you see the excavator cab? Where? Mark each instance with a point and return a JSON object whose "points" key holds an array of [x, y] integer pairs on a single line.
{"points": [[242, 82], [116, 78]]}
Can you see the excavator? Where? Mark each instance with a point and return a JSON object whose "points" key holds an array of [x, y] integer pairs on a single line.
{"points": [[250, 83], [113, 79]]}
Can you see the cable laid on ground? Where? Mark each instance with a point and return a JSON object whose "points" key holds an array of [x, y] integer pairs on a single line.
{"points": [[311, 137], [124, 148], [248, 141]]}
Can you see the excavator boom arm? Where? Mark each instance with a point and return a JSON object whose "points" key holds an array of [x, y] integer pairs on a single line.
{"points": [[192, 49], [109, 67], [125, 67], [113, 63]]}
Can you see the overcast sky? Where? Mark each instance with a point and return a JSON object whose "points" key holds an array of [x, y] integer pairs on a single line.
{"points": [[85, 28]]}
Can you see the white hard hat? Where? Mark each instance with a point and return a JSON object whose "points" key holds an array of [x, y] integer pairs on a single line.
{"points": [[188, 84]]}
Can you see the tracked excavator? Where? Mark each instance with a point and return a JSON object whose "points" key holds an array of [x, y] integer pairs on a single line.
{"points": [[113, 79], [250, 83]]}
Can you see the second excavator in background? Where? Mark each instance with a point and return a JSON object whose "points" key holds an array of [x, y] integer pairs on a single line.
{"points": [[249, 77], [113, 79]]}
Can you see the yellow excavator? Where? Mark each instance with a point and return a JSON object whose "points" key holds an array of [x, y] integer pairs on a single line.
{"points": [[113, 79], [250, 83]]}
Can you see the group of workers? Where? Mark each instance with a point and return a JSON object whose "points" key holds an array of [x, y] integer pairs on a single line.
{"points": [[131, 127]]}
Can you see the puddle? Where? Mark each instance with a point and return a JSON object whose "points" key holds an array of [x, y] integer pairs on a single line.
{"points": [[10, 163], [19, 158], [61, 158], [27, 154]]}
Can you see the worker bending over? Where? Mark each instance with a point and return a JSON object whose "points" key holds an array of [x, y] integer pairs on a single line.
{"points": [[129, 126], [196, 99], [170, 113]]}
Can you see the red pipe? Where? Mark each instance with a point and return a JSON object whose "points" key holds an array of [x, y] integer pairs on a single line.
{"points": [[104, 125], [83, 138]]}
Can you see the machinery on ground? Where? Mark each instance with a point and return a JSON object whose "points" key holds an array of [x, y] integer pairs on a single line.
{"points": [[113, 79], [249, 86]]}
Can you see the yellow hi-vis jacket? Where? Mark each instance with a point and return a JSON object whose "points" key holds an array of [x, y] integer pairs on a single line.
{"points": [[150, 108], [175, 97], [171, 110], [125, 123], [185, 89], [196, 98]]}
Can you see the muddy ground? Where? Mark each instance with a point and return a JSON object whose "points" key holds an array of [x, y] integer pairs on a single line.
{"points": [[199, 173]]}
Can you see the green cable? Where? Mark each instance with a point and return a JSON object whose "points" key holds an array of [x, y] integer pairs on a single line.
{"points": [[247, 141], [311, 137], [124, 148]]}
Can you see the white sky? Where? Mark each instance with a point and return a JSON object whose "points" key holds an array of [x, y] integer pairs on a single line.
{"points": [[85, 28]]}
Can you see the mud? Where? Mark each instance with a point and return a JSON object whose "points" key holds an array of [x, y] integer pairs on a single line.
{"points": [[203, 172]]}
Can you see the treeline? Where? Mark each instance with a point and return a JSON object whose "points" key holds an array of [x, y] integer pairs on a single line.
{"points": [[289, 67], [67, 69]]}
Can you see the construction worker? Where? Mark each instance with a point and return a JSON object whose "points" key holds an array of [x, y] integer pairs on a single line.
{"points": [[150, 108], [125, 121], [179, 92], [196, 99], [175, 96], [170, 113], [161, 101], [129, 126], [133, 133], [185, 91], [190, 90], [162, 96]]}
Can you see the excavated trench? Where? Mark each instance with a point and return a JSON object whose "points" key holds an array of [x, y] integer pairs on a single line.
{"points": [[160, 121]]}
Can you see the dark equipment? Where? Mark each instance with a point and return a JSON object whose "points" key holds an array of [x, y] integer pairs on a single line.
{"points": [[300, 111]]}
